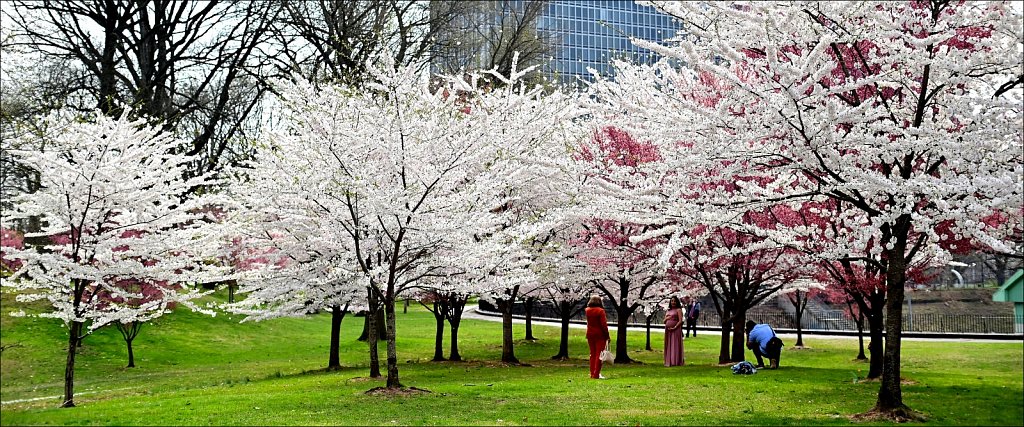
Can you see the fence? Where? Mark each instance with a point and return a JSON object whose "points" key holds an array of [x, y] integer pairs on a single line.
{"points": [[830, 320]]}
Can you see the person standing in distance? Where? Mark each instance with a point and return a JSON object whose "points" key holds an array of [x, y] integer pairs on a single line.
{"points": [[692, 314], [597, 334]]}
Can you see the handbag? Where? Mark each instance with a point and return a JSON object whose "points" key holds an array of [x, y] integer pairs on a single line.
{"points": [[607, 356]]}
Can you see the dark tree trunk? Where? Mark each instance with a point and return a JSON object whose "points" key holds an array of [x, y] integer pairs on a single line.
{"points": [[508, 354], [890, 394], [876, 344], [439, 315], [799, 300], [739, 344], [334, 358], [528, 305], [131, 354], [723, 349], [372, 334], [378, 323], [564, 313], [107, 65], [621, 344], [647, 322], [128, 331], [392, 350], [622, 310], [453, 351], [860, 339], [69, 369], [859, 320], [456, 305]]}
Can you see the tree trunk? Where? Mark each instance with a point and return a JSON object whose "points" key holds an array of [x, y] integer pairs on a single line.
{"points": [[378, 322], [508, 354], [800, 303], [623, 311], [723, 349], [621, 328], [389, 316], [456, 305], [799, 329], [454, 355], [108, 66], [128, 331], [860, 339], [739, 344], [890, 394], [647, 321], [859, 320], [371, 338], [69, 368], [564, 311], [439, 314], [529, 318], [876, 343], [334, 358], [131, 354]]}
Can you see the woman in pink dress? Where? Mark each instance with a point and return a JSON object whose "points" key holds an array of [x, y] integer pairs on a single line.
{"points": [[674, 333]]}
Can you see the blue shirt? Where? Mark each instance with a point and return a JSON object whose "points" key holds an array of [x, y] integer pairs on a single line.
{"points": [[760, 335]]}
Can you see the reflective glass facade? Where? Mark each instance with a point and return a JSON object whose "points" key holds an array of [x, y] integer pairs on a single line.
{"points": [[590, 33]]}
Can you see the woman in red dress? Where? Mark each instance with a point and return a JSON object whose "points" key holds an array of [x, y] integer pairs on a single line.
{"points": [[597, 334]]}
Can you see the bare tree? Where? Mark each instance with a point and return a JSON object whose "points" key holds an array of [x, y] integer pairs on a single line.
{"points": [[332, 40], [193, 67]]}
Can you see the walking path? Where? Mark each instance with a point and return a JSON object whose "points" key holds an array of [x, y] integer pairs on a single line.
{"points": [[475, 313]]}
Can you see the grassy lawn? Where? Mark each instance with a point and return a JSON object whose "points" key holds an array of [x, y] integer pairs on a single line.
{"points": [[194, 369]]}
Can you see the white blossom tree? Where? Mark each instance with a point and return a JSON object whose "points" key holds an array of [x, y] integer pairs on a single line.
{"points": [[112, 213], [396, 166], [910, 113]]}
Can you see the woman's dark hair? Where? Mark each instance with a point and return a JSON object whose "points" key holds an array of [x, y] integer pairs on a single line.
{"points": [[674, 299]]}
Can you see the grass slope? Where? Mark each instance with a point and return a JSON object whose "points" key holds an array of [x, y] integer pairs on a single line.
{"points": [[197, 370]]}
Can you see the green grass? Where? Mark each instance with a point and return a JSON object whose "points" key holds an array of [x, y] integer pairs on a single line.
{"points": [[197, 370]]}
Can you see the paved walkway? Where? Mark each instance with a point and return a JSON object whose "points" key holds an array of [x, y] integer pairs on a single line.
{"points": [[474, 313]]}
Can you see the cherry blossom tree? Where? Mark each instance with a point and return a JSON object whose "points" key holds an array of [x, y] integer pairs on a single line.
{"points": [[738, 268], [396, 166], [625, 264], [111, 203], [869, 103]]}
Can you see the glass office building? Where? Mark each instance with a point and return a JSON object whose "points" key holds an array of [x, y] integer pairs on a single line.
{"points": [[586, 33]]}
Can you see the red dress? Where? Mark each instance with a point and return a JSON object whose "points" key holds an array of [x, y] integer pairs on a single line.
{"points": [[674, 337], [597, 336]]}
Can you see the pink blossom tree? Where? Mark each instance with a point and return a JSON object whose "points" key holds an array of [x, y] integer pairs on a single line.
{"points": [[625, 267], [10, 238]]}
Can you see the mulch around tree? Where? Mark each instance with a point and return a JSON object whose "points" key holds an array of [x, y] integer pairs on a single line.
{"points": [[396, 392]]}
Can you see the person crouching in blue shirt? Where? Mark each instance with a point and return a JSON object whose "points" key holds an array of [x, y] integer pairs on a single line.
{"points": [[762, 340]]}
